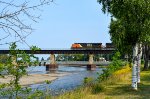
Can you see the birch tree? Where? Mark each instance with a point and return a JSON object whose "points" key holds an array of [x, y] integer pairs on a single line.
{"points": [[135, 19], [146, 56]]}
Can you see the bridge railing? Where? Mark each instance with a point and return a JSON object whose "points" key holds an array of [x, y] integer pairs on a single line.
{"points": [[83, 62], [78, 62]]}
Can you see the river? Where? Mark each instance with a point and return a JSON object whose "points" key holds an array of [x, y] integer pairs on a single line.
{"points": [[65, 83]]}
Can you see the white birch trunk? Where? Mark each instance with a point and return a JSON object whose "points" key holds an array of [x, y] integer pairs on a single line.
{"points": [[134, 68], [139, 63]]}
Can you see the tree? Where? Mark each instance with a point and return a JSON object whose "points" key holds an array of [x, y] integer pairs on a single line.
{"points": [[118, 37], [16, 67], [13, 25], [146, 56], [13, 16], [133, 15]]}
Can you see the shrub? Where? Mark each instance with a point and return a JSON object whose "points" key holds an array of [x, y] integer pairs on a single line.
{"points": [[88, 80], [97, 88], [115, 65], [15, 66]]}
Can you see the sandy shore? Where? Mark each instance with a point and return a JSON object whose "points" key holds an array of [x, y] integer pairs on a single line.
{"points": [[34, 78]]}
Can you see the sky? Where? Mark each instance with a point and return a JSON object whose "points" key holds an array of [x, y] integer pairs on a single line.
{"points": [[65, 22]]}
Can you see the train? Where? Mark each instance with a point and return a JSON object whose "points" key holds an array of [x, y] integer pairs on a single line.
{"points": [[110, 45], [91, 45]]}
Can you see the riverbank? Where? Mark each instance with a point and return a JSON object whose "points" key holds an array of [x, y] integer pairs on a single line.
{"points": [[116, 87], [34, 78]]}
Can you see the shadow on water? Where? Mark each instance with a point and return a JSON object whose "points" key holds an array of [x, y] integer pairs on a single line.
{"points": [[65, 83]]}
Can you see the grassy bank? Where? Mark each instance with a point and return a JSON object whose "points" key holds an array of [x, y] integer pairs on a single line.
{"points": [[116, 87]]}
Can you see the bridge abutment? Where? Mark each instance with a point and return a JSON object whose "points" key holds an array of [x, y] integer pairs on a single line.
{"points": [[91, 66]]}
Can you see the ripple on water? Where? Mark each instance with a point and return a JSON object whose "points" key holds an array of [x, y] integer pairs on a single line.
{"points": [[65, 83]]}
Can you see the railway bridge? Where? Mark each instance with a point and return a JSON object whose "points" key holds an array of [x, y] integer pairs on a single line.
{"points": [[53, 64]]}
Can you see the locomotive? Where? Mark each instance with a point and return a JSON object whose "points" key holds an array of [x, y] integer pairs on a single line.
{"points": [[86, 45]]}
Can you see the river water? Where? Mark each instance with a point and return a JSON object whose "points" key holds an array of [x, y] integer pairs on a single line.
{"points": [[65, 83]]}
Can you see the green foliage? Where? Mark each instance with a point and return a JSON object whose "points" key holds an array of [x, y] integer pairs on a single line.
{"points": [[119, 37], [3, 58], [142, 61], [97, 88], [116, 62], [115, 65], [1, 70], [36, 95], [87, 80], [16, 67], [47, 81], [35, 48], [78, 57], [47, 93], [72, 57], [130, 22]]}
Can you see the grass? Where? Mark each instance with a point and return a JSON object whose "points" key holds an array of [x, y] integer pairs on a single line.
{"points": [[118, 86]]}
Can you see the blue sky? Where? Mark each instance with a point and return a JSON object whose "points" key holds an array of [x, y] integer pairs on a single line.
{"points": [[68, 21]]}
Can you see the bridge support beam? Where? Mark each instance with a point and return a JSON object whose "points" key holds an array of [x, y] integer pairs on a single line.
{"points": [[52, 65], [91, 65]]}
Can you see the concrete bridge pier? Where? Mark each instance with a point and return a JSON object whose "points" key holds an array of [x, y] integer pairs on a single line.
{"points": [[91, 66], [52, 65]]}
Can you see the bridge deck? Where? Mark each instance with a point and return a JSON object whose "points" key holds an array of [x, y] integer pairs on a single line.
{"points": [[66, 51], [84, 63]]}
